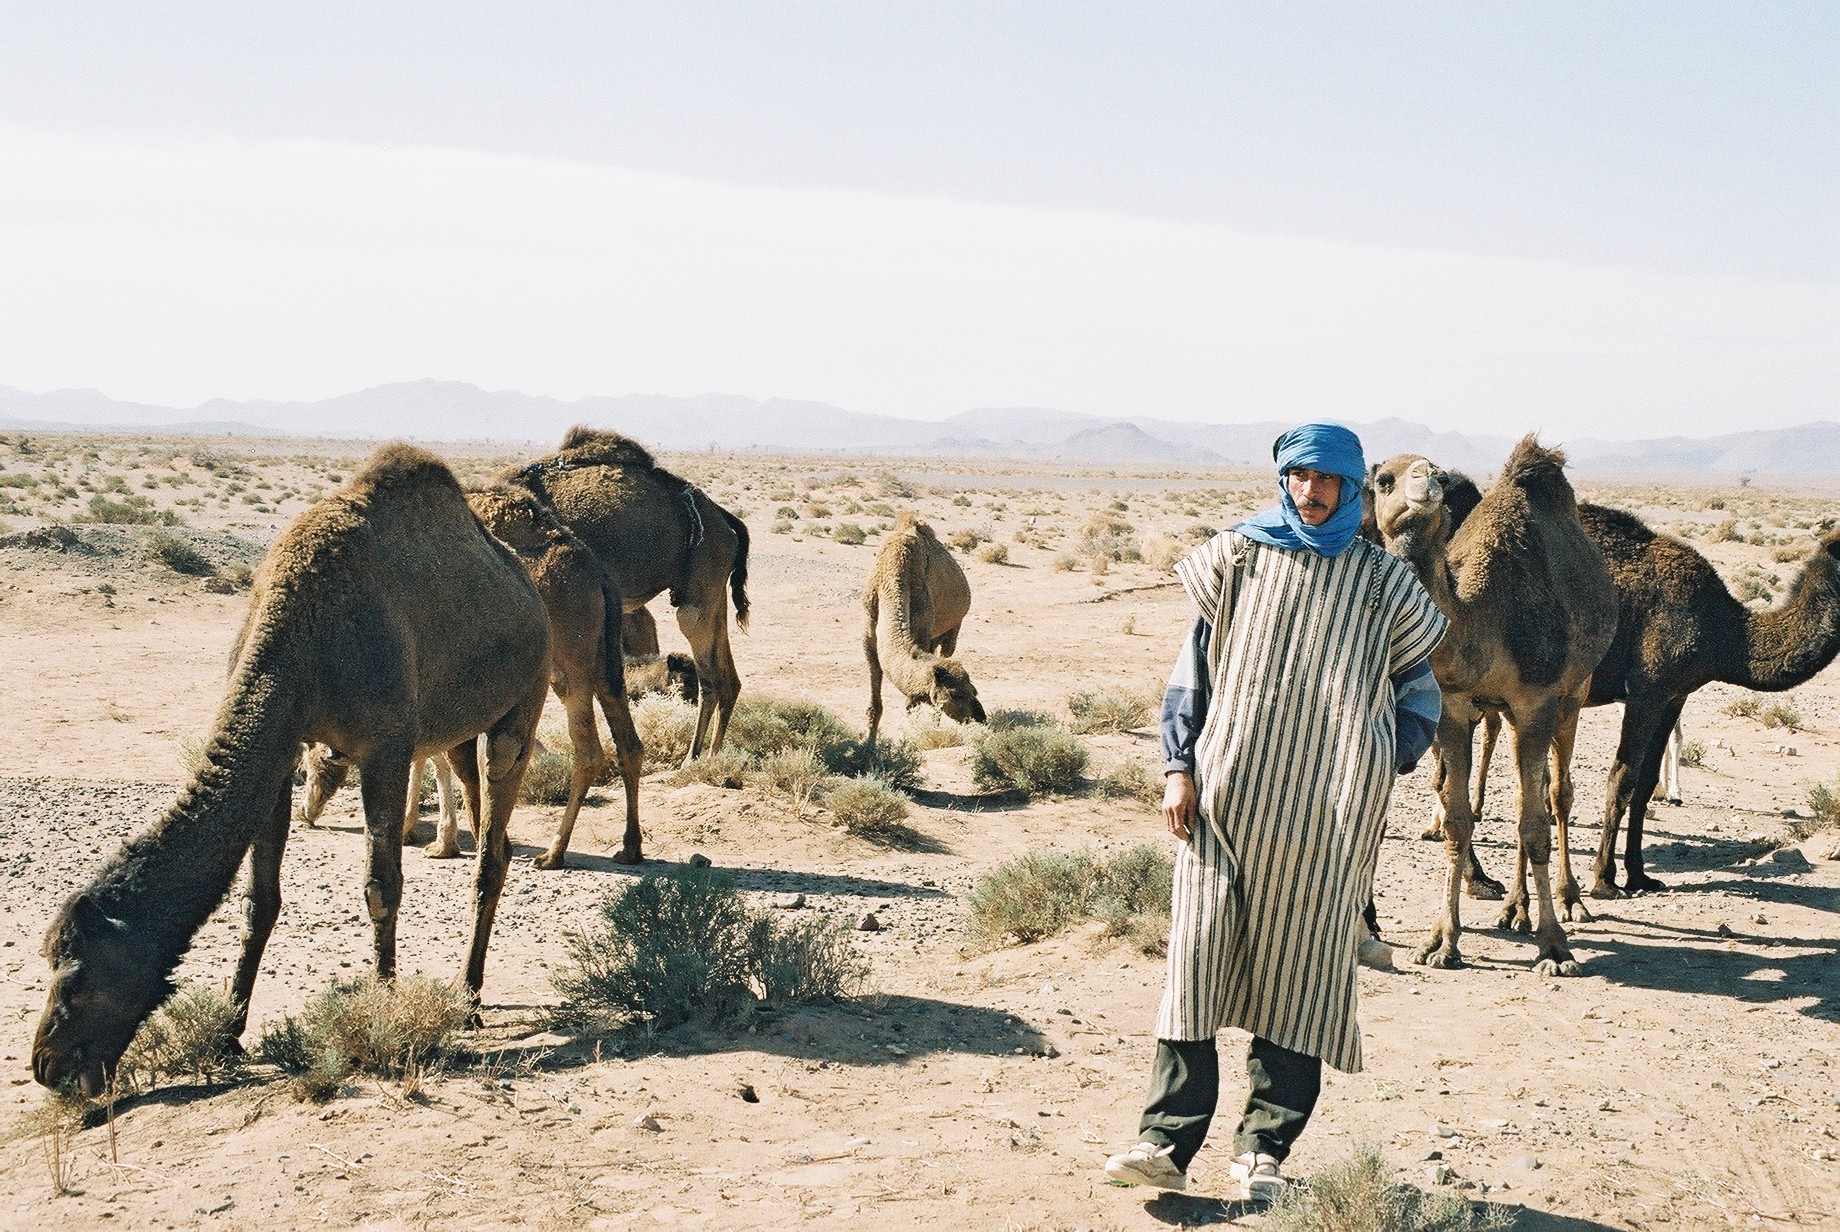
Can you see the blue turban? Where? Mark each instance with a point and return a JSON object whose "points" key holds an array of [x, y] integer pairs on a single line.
{"points": [[1334, 450]]}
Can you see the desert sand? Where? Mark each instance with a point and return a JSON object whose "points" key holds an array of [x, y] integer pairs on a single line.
{"points": [[1688, 1078]]}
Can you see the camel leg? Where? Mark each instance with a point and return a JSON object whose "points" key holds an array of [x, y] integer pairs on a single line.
{"points": [[454, 764], [1533, 741], [508, 747], [384, 779], [1565, 738], [1453, 742], [412, 810], [631, 754], [589, 758], [263, 904], [1436, 830], [1670, 766], [875, 675], [1642, 723], [1648, 773], [705, 627]]}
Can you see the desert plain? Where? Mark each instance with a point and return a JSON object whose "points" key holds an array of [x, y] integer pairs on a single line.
{"points": [[1687, 1078]]}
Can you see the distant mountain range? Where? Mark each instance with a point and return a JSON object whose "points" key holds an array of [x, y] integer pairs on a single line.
{"points": [[451, 410]]}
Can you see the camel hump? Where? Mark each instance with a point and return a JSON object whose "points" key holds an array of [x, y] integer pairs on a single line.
{"points": [[1534, 467], [588, 446], [398, 466]]}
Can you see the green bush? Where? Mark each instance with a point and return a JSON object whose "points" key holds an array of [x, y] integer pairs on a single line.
{"points": [[189, 1036], [1106, 710], [685, 946], [895, 762], [549, 778], [174, 552], [1038, 894], [764, 725], [1130, 780], [870, 809], [849, 533], [131, 510], [728, 767], [1028, 759], [794, 773]]}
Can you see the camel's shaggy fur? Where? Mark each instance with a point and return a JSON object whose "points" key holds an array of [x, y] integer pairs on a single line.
{"points": [[924, 595]]}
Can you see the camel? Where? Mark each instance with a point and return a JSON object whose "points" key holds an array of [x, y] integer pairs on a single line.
{"points": [[384, 622], [648, 671], [926, 596], [584, 621], [1532, 611], [1678, 629], [653, 532]]}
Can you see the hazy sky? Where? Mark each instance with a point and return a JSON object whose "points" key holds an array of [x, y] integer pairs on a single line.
{"points": [[1612, 220]]}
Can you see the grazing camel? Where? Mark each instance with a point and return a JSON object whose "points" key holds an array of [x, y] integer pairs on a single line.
{"points": [[584, 620], [647, 671], [653, 532], [1531, 610], [325, 772], [384, 622], [926, 596]]}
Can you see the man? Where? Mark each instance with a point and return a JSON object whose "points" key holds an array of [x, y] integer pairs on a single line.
{"points": [[1302, 688]]}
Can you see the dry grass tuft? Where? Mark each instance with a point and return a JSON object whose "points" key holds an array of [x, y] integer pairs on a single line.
{"points": [[764, 725], [1038, 894], [895, 762], [173, 551], [1357, 1194], [188, 1037], [1106, 710], [871, 809], [394, 1029], [666, 724], [994, 554], [549, 778], [1028, 759]]}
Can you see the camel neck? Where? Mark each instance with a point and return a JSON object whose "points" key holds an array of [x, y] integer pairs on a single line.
{"points": [[1786, 645]]}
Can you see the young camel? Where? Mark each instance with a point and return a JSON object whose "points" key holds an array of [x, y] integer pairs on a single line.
{"points": [[653, 532], [925, 595], [385, 623], [1532, 611], [584, 622]]}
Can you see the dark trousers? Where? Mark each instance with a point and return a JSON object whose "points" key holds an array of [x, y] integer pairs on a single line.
{"points": [[1185, 1087]]}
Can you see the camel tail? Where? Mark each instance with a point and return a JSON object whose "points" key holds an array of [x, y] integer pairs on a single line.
{"points": [[737, 577]]}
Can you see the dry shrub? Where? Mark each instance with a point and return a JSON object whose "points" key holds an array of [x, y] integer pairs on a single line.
{"points": [[549, 778], [1042, 892], [1130, 780], [895, 762], [131, 510], [794, 773], [1745, 707], [994, 554], [1107, 537], [1161, 551], [392, 1029], [928, 729], [1028, 759], [188, 1037], [964, 540], [1824, 803], [1781, 714], [870, 809], [1003, 720], [727, 767], [1692, 753], [1357, 1194], [685, 946], [666, 725], [55, 1124], [1724, 532], [1065, 562], [1106, 710], [849, 533]]}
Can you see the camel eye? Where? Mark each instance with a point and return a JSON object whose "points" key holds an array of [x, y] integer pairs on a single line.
{"points": [[1384, 482]]}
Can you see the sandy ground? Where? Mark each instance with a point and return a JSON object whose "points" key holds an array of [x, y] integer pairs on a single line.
{"points": [[1687, 1078]]}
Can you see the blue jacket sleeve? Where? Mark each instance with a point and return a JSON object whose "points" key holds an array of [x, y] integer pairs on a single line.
{"points": [[1185, 701], [1417, 703]]}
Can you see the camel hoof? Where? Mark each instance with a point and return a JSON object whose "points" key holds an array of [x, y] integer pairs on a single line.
{"points": [[1515, 919], [1434, 835], [1443, 957], [1641, 883], [1487, 889], [438, 850], [549, 861], [1576, 912], [1674, 800], [1606, 890], [1560, 965], [624, 856]]}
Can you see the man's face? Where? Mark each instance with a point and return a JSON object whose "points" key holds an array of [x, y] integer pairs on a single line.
{"points": [[1315, 493]]}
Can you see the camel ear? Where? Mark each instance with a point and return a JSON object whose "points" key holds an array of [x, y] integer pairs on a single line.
{"points": [[942, 676]]}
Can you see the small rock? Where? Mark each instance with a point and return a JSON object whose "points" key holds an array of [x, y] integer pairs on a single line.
{"points": [[869, 924], [1050, 1051], [1495, 1122], [1441, 1130], [1433, 1155], [1790, 857], [1376, 955], [699, 860], [789, 902], [648, 1121], [1047, 989], [1439, 1173], [857, 1141], [1724, 930], [747, 1093], [1526, 1163]]}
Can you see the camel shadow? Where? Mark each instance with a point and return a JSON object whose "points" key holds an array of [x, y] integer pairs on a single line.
{"points": [[1674, 964], [763, 880], [893, 1030], [1191, 1211], [971, 802]]}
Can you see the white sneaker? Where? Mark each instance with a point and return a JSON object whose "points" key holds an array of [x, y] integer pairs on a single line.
{"points": [[1146, 1164], [1258, 1177]]}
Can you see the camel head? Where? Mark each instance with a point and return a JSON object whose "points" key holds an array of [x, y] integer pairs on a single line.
{"points": [[325, 772], [102, 988], [954, 693], [1407, 493], [680, 676]]}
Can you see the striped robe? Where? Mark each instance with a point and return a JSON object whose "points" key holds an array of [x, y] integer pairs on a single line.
{"points": [[1294, 765]]}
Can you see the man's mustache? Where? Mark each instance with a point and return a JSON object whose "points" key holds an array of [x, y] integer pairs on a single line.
{"points": [[1307, 503]]}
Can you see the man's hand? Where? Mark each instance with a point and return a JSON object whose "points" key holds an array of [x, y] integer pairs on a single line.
{"points": [[1179, 809]]}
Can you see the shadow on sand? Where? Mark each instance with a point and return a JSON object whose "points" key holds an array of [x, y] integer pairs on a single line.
{"points": [[1192, 1211]]}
